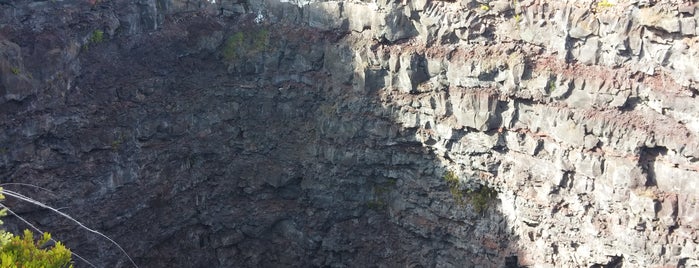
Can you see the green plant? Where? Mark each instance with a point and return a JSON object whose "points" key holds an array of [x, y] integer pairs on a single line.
{"points": [[115, 145], [117, 142], [260, 40], [21, 197], [97, 36], [479, 197], [14, 70], [517, 14], [246, 43], [454, 186], [24, 251], [233, 44], [605, 4], [551, 87], [485, 7]]}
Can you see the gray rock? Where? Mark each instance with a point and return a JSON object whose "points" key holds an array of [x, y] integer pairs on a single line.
{"points": [[688, 26], [474, 109], [583, 24], [588, 51], [326, 15]]}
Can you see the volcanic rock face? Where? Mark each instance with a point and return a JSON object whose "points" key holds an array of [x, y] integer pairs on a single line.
{"points": [[356, 133]]}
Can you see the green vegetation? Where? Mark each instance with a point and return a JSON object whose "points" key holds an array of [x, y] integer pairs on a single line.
{"points": [[260, 40], [517, 14], [454, 187], [233, 44], [485, 7], [515, 3], [97, 36], [16, 251], [117, 143], [605, 4], [242, 44], [14, 70], [551, 87], [42, 246], [479, 198], [24, 251]]}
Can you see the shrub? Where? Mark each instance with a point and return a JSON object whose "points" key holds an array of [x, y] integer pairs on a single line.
{"points": [[233, 44], [24, 251], [260, 40], [454, 187], [16, 251], [605, 4], [247, 43], [97, 36], [479, 197]]}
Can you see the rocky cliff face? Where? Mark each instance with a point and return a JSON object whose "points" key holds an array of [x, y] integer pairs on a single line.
{"points": [[356, 133]]}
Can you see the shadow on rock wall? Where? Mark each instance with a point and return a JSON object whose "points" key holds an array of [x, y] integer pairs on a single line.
{"points": [[225, 137]]}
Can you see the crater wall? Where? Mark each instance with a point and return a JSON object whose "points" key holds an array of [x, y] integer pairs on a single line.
{"points": [[320, 133]]}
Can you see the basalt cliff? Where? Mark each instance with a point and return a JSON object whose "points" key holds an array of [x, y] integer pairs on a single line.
{"points": [[372, 133]]}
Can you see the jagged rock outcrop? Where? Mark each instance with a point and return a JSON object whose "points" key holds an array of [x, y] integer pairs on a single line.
{"points": [[319, 133]]}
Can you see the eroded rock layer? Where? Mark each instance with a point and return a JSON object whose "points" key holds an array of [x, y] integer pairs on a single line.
{"points": [[357, 133]]}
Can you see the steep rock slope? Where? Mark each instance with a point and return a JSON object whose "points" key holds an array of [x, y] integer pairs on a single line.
{"points": [[320, 133], [201, 137], [581, 113]]}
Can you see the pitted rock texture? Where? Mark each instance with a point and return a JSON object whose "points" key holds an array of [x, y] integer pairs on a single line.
{"points": [[318, 133]]}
